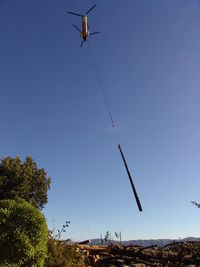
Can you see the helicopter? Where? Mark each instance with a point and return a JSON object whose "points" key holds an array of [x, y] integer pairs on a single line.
{"points": [[84, 33]]}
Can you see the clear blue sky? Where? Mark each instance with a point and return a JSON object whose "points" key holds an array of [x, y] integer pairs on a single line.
{"points": [[52, 109]]}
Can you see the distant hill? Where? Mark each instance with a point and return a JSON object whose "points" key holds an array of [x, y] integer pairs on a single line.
{"points": [[146, 242]]}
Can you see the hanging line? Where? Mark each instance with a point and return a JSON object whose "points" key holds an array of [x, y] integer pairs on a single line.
{"points": [[101, 85]]}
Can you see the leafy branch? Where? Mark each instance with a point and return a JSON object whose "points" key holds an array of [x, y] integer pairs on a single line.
{"points": [[58, 235]]}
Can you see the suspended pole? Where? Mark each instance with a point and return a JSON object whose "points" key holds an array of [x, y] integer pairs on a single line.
{"points": [[101, 86], [131, 180]]}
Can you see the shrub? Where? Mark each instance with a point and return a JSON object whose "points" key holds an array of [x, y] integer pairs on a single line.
{"points": [[63, 255], [24, 180], [23, 234]]}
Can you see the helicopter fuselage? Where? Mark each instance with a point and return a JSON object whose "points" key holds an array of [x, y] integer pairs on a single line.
{"points": [[84, 34]]}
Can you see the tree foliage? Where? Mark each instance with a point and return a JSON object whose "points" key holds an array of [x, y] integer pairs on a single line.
{"points": [[63, 255], [23, 180], [23, 234]]}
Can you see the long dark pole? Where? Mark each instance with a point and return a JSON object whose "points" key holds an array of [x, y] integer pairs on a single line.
{"points": [[131, 181]]}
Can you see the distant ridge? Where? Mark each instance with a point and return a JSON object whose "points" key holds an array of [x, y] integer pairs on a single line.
{"points": [[146, 242]]}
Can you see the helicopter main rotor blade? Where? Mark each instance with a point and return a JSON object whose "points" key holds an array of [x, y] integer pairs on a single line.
{"points": [[76, 27], [75, 14], [94, 33], [81, 44], [90, 9]]}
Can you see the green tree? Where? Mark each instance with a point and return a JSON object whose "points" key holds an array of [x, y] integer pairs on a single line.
{"points": [[107, 237], [23, 234], [23, 180], [61, 254]]}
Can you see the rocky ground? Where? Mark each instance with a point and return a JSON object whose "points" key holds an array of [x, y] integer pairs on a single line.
{"points": [[174, 254]]}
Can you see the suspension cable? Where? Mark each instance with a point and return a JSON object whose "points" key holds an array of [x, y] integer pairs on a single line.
{"points": [[113, 125], [101, 85]]}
